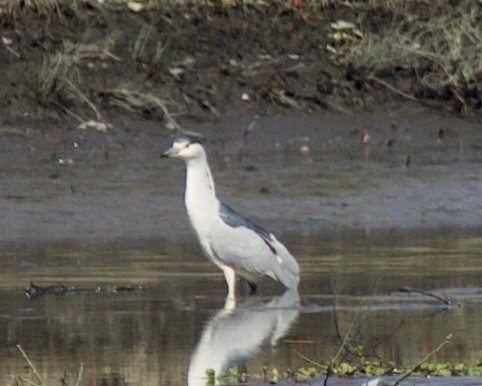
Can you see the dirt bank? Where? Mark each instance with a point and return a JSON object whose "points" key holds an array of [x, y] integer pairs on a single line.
{"points": [[70, 62]]}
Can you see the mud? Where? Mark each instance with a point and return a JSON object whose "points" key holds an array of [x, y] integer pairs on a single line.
{"points": [[294, 173], [72, 62], [198, 60]]}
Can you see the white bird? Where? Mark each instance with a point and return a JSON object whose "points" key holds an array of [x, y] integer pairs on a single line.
{"points": [[235, 244], [233, 336]]}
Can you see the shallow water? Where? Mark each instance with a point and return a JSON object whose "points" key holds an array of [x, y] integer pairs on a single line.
{"points": [[176, 324]]}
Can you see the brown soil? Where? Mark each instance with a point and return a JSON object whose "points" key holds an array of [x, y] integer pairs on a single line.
{"points": [[77, 61]]}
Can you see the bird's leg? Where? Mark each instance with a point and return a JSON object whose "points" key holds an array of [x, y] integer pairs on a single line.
{"points": [[230, 277], [229, 305]]}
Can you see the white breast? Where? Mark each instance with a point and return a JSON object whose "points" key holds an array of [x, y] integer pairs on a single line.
{"points": [[201, 202]]}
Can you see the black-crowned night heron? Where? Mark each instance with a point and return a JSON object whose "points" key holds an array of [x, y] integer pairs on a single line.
{"points": [[234, 243], [231, 337]]}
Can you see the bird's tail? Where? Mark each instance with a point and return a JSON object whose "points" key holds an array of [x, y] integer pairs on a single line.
{"points": [[288, 272]]}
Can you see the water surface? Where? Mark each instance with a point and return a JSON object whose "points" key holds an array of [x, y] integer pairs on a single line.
{"points": [[157, 335]]}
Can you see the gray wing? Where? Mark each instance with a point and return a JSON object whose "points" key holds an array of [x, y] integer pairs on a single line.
{"points": [[248, 248], [234, 219]]}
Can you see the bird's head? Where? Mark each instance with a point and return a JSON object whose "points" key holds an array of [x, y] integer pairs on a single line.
{"points": [[185, 147]]}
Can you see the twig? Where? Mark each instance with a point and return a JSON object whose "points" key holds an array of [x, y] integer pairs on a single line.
{"points": [[132, 100], [82, 96], [250, 127], [337, 327], [30, 363], [27, 381], [12, 51], [310, 361], [81, 374], [345, 340], [329, 372], [110, 54], [69, 112], [337, 107], [391, 88], [443, 300], [424, 359]]}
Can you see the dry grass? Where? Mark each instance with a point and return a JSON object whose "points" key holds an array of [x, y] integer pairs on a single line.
{"points": [[418, 49], [60, 72], [48, 6], [42, 7], [138, 101], [63, 65], [440, 53]]}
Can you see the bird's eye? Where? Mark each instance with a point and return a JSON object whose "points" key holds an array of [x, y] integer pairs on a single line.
{"points": [[188, 144]]}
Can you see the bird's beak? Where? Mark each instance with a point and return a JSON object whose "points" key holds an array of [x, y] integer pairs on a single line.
{"points": [[169, 153]]}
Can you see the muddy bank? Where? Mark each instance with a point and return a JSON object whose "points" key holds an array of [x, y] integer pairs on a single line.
{"points": [[400, 167], [166, 62]]}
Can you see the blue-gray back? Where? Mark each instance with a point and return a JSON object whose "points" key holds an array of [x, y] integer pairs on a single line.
{"points": [[234, 219]]}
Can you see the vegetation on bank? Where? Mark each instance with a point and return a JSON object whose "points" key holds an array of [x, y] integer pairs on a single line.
{"points": [[359, 366], [164, 59], [366, 369], [426, 55]]}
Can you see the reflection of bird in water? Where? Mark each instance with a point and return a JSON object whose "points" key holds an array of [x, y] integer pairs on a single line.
{"points": [[232, 242], [234, 335]]}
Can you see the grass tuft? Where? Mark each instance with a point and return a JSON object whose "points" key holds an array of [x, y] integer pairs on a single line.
{"points": [[141, 101], [434, 55]]}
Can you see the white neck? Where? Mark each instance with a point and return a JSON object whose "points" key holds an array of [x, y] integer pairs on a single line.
{"points": [[200, 196]]}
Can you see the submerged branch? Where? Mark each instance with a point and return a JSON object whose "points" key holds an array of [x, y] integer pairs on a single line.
{"points": [[411, 290], [392, 88], [424, 359], [60, 289]]}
